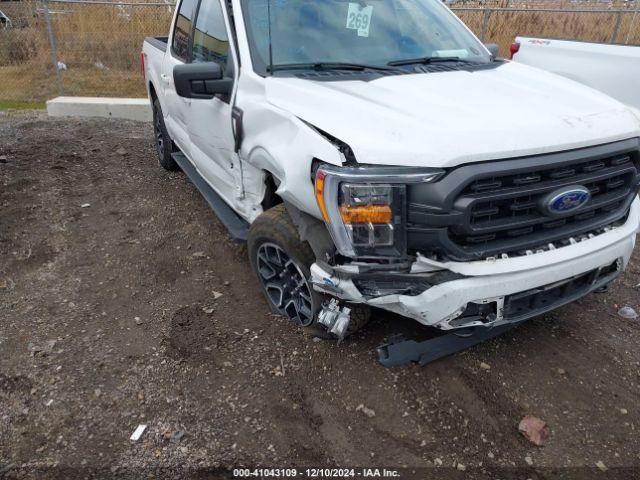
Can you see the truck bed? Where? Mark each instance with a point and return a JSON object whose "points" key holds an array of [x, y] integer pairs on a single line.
{"points": [[158, 42], [611, 68]]}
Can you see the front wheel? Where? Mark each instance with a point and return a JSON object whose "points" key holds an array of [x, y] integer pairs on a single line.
{"points": [[281, 262]]}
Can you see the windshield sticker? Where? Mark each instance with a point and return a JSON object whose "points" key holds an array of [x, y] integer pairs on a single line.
{"points": [[359, 18], [460, 53]]}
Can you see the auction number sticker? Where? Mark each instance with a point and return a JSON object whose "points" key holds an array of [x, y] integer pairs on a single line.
{"points": [[359, 18]]}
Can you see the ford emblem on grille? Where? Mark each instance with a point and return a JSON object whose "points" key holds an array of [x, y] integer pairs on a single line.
{"points": [[565, 200]]}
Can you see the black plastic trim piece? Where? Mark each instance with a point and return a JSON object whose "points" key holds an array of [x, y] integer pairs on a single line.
{"points": [[595, 282], [160, 43], [439, 212], [399, 351], [201, 80], [237, 116], [439, 196], [370, 75], [237, 226]]}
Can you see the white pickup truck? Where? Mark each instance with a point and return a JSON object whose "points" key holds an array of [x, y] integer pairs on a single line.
{"points": [[375, 152], [611, 68]]}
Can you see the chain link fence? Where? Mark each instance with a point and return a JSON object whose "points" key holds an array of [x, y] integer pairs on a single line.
{"points": [[502, 25], [22, 40], [76, 48], [91, 48]]}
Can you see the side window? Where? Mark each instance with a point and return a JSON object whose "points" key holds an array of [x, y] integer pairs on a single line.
{"points": [[182, 30], [210, 40]]}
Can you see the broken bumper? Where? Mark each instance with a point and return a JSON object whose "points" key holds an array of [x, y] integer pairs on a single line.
{"points": [[500, 291]]}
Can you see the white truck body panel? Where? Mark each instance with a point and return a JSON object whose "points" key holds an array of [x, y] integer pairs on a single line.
{"points": [[609, 68], [414, 120], [438, 120]]}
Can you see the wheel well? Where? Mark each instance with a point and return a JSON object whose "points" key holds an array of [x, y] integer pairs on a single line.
{"points": [[152, 92], [271, 198]]}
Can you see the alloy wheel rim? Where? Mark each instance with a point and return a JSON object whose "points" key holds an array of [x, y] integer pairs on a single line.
{"points": [[159, 136], [285, 284]]}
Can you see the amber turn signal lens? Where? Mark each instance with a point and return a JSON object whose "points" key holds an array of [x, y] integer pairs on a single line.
{"points": [[320, 195], [365, 214]]}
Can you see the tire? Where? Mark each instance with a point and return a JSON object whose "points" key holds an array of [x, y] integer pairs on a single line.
{"points": [[360, 316], [273, 231], [162, 141], [281, 262]]}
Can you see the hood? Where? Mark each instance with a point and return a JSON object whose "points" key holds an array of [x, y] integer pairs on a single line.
{"points": [[449, 118]]}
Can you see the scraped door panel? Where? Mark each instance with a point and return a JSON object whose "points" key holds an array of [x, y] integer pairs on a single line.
{"points": [[210, 124]]}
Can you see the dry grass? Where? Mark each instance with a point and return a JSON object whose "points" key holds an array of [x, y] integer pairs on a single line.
{"points": [[100, 44], [596, 26]]}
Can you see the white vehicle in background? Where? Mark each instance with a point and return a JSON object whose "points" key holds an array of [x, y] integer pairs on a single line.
{"points": [[611, 68], [376, 153], [5, 22]]}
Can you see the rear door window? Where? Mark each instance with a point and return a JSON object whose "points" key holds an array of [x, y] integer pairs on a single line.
{"points": [[182, 29]]}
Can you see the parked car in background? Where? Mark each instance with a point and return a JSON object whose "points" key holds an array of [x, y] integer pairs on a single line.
{"points": [[377, 153], [611, 68]]}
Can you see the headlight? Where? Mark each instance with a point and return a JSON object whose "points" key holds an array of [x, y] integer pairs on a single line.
{"points": [[365, 208]]}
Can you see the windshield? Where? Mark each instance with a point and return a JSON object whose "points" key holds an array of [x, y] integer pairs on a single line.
{"points": [[367, 32]]}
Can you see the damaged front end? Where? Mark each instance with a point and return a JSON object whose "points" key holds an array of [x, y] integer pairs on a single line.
{"points": [[475, 247], [472, 321], [335, 318], [450, 301]]}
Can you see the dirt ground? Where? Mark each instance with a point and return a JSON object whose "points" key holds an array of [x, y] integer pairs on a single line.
{"points": [[108, 319]]}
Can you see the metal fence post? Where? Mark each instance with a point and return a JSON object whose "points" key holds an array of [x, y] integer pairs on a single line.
{"points": [[485, 23], [616, 27], [633, 22], [54, 49]]}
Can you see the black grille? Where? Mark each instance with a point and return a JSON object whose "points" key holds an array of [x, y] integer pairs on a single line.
{"points": [[509, 208], [543, 299], [497, 206], [497, 183], [539, 300]]}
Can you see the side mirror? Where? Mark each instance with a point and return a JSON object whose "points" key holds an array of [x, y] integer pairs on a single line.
{"points": [[493, 49], [200, 80]]}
